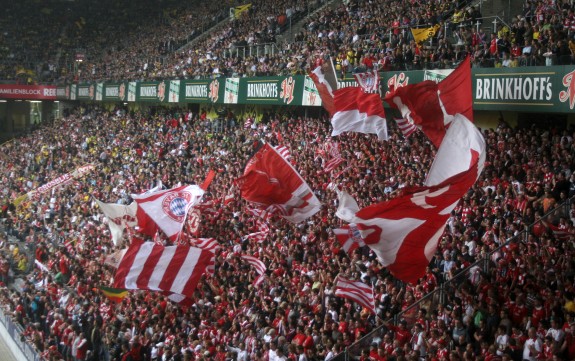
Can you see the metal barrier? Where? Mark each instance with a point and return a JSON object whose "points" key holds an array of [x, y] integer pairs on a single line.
{"points": [[445, 290], [14, 331]]}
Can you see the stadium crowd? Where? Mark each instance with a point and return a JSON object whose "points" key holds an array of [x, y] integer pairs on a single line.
{"points": [[358, 35], [521, 308]]}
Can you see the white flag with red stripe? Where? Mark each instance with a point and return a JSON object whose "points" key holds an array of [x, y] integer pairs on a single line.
{"points": [[356, 111], [270, 182], [356, 291], [168, 208], [149, 266]]}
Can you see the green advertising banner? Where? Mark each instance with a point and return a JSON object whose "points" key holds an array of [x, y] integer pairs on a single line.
{"points": [[99, 92], [231, 90], [63, 92], [115, 92], [151, 92], [202, 91], [271, 90], [73, 93], [85, 92], [132, 89], [533, 89]]}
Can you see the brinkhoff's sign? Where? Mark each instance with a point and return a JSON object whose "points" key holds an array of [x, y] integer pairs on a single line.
{"points": [[549, 89]]}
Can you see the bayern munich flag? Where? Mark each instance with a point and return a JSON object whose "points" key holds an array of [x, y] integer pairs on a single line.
{"points": [[168, 208]]}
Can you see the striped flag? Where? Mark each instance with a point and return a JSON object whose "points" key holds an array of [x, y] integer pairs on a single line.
{"points": [[284, 152], [256, 236], [335, 159], [248, 123], [349, 237], [356, 291], [207, 244], [259, 266], [406, 126], [149, 266], [261, 213]]}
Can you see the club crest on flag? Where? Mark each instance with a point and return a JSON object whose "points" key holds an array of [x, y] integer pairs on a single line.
{"points": [[175, 204]]}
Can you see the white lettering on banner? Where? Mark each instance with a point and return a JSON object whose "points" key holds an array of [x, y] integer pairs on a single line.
{"points": [[535, 88], [346, 84], [49, 92], [83, 92], [112, 92], [21, 91], [149, 91], [196, 91], [262, 90]]}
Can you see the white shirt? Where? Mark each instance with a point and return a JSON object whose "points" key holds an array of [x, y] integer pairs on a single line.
{"points": [[536, 343]]}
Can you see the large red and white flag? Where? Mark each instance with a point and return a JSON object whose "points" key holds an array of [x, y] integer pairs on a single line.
{"points": [[356, 111], [404, 232], [349, 238], [169, 208], [149, 266], [119, 217], [325, 81], [431, 106], [259, 266], [356, 291], [368, 81], [270, 182]]}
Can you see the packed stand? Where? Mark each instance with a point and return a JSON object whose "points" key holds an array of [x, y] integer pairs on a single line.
{"points": [[294, 312]]}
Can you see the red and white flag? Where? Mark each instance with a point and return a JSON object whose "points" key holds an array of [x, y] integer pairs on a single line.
{"points": [[248, 123], [356, 111], [261, 213], [431, 105], [356, 291], [259, 266], [284, 152], [207, 244], [404, 232], [258, 237], [349, 238], [325, 81], [119, 217], [406, 126], [271, 182], [169, 208], [149, 266], [333, 156], [368, 81]]}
